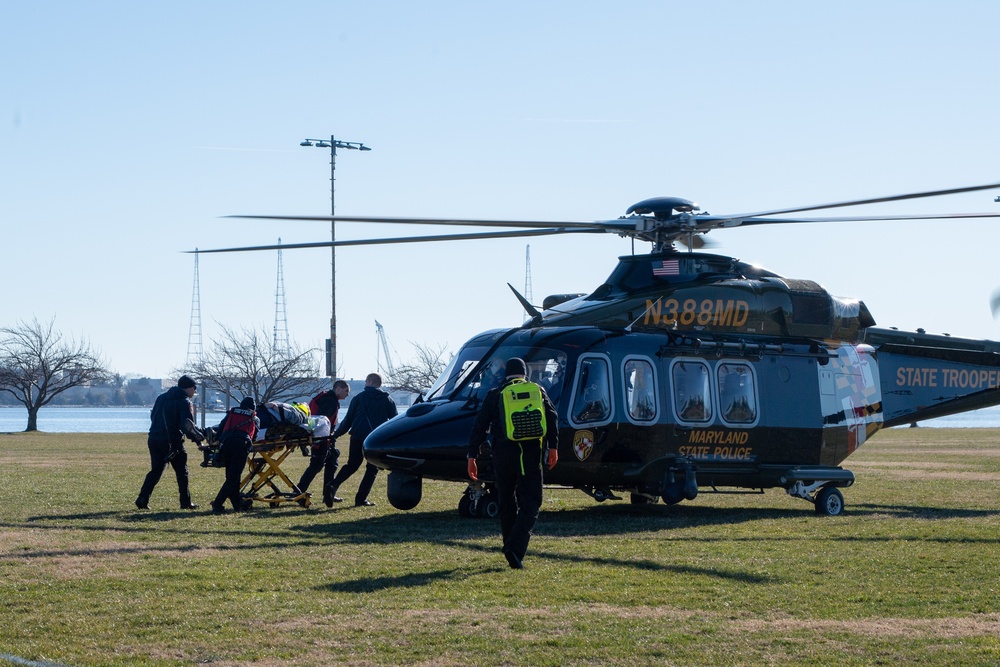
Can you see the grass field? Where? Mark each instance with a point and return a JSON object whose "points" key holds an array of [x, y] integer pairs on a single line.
{"points": [[908, 575]]}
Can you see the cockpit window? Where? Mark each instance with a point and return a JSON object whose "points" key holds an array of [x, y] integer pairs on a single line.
{"points": [[692, 391], [737, 398], [456, 372], [592, 396], [545, 367]]}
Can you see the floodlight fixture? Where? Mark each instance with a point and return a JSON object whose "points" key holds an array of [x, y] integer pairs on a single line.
{"points": [[333, 144]]}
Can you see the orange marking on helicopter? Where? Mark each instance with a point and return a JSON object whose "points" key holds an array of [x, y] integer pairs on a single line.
{"points": [[722, 313]]}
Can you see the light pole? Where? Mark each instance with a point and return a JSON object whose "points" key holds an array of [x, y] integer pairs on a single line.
{"points": [[333, 144]]}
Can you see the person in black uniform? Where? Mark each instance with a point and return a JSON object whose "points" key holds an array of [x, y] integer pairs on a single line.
{"points": [[236, 433], [518, 465], [171, 418], [369, 409], [324, 456]]}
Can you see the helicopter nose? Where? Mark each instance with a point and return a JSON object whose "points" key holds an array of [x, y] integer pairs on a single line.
{"points": [[429, 439]]}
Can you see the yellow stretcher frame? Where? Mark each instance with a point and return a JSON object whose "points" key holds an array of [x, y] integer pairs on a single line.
{"points": [[264, 480]]}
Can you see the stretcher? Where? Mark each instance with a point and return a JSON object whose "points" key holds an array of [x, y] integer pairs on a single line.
{"points": [[264, 481]]}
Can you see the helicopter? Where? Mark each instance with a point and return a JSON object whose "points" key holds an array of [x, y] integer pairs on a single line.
{"points": [[685, 372]]}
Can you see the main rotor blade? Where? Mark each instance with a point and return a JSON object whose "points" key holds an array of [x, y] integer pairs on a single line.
{"points": [[860, 202], [431, 221], [408, 239], [862, 218]]}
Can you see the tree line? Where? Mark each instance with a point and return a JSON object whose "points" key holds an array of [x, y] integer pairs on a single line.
{"points": [[39, 365]]}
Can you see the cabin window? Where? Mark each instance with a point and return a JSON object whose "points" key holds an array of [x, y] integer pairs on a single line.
{"points": [[640, 390], [737, 398], [592, 396], [692, 391]]}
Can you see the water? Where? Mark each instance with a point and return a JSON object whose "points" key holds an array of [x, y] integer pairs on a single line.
{"points": [[136, 420], [85, 420]]}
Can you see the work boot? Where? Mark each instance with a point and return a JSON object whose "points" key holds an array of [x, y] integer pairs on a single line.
{"points": [[330, 495], [142, 503], [512, 560]]}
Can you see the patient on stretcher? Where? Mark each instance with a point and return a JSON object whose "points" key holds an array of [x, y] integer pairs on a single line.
{"points": [[283, 418]]}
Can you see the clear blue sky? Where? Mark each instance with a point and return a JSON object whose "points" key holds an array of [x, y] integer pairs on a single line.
{"points": [[127, 130]]}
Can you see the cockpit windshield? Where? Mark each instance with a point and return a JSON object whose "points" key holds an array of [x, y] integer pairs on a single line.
{"points": [[545, 367]]}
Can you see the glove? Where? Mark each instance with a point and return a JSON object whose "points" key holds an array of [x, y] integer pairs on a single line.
{"points": [[552, 458], [473, 470]]}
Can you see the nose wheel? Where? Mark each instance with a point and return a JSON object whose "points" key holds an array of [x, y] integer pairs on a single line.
{"points": [[479, 500]]}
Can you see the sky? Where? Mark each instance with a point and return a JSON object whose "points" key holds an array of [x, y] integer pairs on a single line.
{"points": [[129, 131]]}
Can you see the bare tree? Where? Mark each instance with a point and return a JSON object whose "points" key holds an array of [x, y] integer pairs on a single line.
{"points": [[418, 375], [245, 363], [36, 365]]}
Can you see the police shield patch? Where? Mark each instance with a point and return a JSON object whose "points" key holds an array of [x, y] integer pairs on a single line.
{"points": [[583, 444]]}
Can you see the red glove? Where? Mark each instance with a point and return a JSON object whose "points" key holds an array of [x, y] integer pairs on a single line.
{"points": [[552, 458], [473, 470]]}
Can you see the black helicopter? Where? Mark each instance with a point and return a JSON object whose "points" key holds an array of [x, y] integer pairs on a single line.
{"points": [[687, 371]]}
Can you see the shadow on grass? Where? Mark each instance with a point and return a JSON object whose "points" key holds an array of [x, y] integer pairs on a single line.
{"points": [[412, 580]]}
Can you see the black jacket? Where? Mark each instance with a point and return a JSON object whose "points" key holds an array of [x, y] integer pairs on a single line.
{"points": [[367, 410], [172, 417], [490, 422]]}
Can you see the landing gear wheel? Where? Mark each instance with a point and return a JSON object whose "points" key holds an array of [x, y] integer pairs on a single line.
{"points": [[489, 506], [829, 501]]}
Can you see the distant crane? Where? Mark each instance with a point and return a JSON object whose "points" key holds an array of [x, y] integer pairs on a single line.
{"points": [[384, 345]]}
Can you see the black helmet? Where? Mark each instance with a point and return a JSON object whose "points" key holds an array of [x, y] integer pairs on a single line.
{"points": [[515, 366]]}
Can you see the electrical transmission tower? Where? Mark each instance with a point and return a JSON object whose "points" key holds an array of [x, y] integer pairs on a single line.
{"points": [[195, 349], [280, 342], [527, 273]]}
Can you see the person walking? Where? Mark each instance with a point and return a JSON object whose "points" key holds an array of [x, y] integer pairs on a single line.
{"points": [[324, 454], [368, 410], [171, 418], [236, 434], [522, 424]]}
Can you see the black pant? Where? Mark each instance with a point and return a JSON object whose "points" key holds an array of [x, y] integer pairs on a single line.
{"points": [[159, 452], [355, 457], [519, 492], [234, 452], [324, 456]]}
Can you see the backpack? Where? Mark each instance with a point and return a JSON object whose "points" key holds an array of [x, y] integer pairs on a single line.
{"points": [[523, 410]]}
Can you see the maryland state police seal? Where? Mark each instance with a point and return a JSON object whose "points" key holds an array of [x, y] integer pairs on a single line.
{"points": [[583, 444]]}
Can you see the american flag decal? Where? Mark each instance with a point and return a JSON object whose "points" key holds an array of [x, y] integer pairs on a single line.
{"points": [[668, 267]]}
